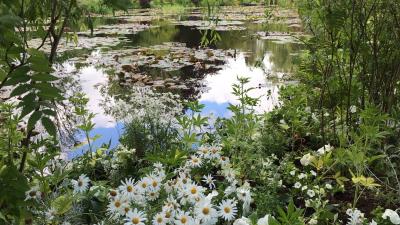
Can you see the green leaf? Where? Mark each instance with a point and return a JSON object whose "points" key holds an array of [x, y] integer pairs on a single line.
{"points": [[48, 91], [35, 117], [49, 126], [31, 97], [20, 71], [44, 77], [3, 75], [9, 20], [39, 61], [27, 107], [21, 89], [49, 112], [12, 186], [17, 80], [62, 204]]}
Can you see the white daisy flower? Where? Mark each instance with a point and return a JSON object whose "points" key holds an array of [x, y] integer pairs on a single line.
{"points": [[215, 152], [125, 208], [127, 188], [116, 207], [204, 152], [112, 194], [152, 195], [159, 219], [229, 174], [158, 166], [82, 184], [144, 184], [328, 186], [183, 218], [155, 182], [293, 172], [223, 160], [168, 214], [135, 217], [304, 188], [209, 180], [171, 203], [204, 211], [193, 191], [227, 209], [195, 161]]}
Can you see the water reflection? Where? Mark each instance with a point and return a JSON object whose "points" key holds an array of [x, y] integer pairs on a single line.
{"points": [[220, 84], [257, 59]]}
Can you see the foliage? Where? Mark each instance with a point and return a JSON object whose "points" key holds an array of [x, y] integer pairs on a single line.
{"points": [[325, 155]]}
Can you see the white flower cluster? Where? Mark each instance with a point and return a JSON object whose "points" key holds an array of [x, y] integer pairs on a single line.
{"points": [[184, 201], [144, 103], [308, 158]]}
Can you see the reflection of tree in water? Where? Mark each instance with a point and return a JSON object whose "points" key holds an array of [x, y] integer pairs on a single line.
{"points": [[281, 56], [163, 33]]}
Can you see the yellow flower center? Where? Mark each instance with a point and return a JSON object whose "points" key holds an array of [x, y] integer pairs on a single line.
{"points": [[193, 190], [206, 211], [129, 188], [32, 193], [113, 193], [159, 220], [183, 220], [167, 215], [155, 183], [135, 220], [144, 185], [227, 210], [80, 183], [117, 204]]}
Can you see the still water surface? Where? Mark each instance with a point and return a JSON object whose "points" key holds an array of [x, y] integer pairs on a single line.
{"points": [[262, 60]]}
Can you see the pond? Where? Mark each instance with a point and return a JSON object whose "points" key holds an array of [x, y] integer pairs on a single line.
{"points": [[162, 51]]}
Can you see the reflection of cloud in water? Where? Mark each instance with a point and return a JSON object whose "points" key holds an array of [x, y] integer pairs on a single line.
{"points": [[90, 79], [220, 84]]}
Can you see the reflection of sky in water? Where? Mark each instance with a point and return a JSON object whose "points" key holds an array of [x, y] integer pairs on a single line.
{"points": [[220, 85], [90, 78], [215, 99]]}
